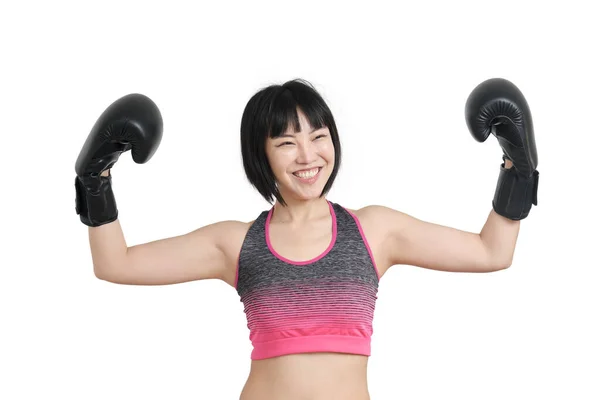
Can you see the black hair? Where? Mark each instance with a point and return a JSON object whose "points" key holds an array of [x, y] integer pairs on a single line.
{"points": [[269, 113]]}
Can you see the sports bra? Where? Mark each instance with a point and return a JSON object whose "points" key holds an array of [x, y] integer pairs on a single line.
{"points": [[325, 304]]}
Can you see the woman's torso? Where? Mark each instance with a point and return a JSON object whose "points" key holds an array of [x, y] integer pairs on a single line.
{"points": [[314, 376], [318, 375]]}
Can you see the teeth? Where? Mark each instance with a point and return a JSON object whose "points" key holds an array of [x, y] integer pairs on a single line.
{"points": [[307, 174]]}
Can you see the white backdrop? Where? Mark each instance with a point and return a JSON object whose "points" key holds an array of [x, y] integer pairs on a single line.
{"points": [[396, 77]]}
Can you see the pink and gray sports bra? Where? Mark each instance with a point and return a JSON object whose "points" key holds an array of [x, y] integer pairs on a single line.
{"points": [[322, 305]]}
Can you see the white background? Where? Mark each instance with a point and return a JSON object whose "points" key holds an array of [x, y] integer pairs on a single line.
{"points": [[396, 78]]}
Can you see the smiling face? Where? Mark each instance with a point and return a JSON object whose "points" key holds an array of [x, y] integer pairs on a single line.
{"points": [[280, 145], [301, 162]]}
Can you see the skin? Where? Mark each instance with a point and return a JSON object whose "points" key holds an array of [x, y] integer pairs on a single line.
{"points": [[300, 231]]}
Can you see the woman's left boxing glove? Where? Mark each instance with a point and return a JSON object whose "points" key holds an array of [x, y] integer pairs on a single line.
{"points": [[498, 107]]}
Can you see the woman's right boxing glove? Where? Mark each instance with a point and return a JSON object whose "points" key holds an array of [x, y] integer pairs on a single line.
{"points": [[134, 123]]}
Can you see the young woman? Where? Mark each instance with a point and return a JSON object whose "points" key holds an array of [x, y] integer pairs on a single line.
{"points": [[307, 270]]}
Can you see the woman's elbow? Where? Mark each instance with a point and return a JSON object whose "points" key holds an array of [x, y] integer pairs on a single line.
{"points": [[499, 265], [104, 274]]}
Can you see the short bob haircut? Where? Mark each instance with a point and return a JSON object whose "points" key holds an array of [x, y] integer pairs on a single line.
{"points": [[269, 113]]}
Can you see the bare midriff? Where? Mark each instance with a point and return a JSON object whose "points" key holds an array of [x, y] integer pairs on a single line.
{"points": [[314, 376]]}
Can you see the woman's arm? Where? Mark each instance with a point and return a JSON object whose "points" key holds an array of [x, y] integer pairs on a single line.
{"points": [[411, 241], [209, 252], [206, 253]]}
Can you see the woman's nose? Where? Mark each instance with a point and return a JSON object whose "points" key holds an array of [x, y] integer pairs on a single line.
{"points": [[306, 152]]}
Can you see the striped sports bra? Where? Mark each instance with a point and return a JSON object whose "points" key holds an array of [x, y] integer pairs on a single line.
{"points": [[321, 305]]}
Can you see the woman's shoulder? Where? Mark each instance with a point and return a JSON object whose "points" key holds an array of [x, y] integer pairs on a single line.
{"points": [[375, 220], [234, 228], [238, 228], [369, 212]]}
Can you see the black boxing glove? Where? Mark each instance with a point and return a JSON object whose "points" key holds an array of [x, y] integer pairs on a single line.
{"points": [[498, 107], [134, 123]]}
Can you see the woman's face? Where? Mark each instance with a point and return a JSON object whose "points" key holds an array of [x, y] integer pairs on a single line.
{"points": [[302, 162]]}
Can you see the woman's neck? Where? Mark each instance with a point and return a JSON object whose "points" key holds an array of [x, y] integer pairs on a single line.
{"points": [[300, 211]]}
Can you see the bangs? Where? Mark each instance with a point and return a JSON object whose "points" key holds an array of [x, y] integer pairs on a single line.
{"points": [[284, 112]]}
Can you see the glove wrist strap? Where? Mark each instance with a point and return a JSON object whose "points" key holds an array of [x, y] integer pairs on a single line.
{"points": [[95, 202], [515, 193]]}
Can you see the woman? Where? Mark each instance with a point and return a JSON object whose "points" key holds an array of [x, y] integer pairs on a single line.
{"points": [[307, 269]]}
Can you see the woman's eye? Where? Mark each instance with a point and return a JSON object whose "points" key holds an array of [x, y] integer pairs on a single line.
{"points": [[320, 136]]}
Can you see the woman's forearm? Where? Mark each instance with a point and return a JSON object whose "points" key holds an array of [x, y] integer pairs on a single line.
{"points": [[499, 234], [108, 247]]}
